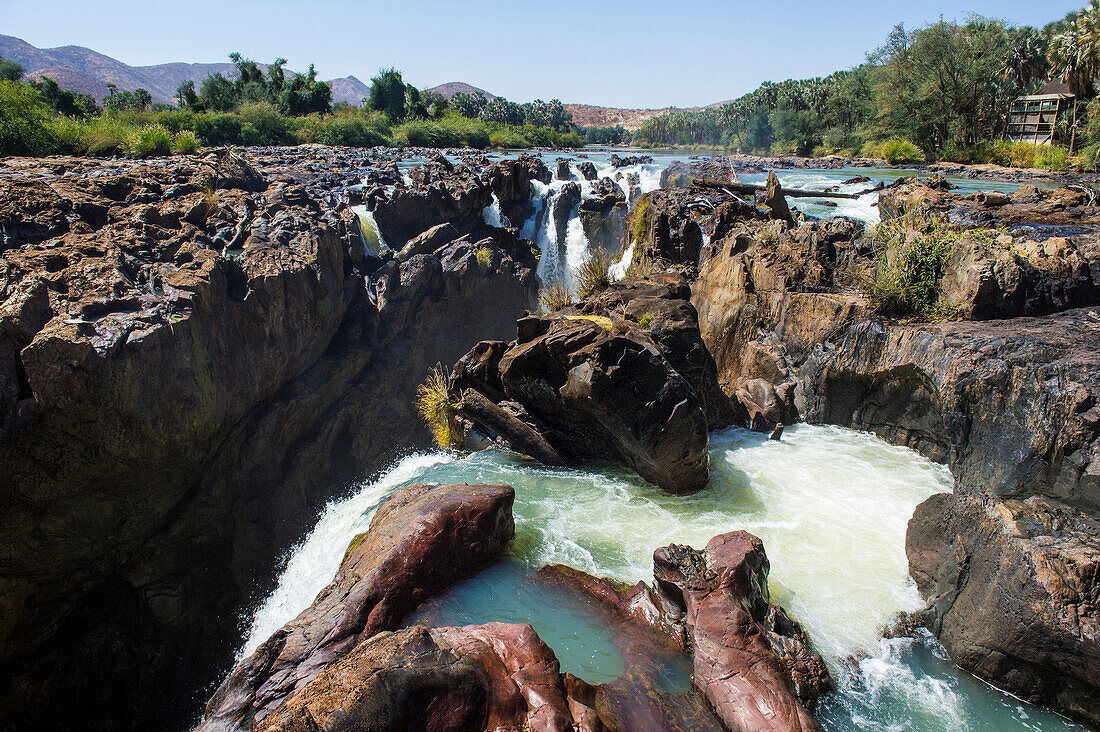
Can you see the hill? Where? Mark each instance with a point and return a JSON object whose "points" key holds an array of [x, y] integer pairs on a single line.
{"points": [[451, 88], [88, 72]]}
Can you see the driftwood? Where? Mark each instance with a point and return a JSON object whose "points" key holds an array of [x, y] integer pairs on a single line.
{"points": [[752, 188], [477, 408]]}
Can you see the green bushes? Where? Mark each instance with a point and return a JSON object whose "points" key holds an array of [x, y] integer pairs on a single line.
{"points": [[185, 142], [507, 139], [911, 253], [263, 125], [24, 121], [149, 141], [452, 131], [355, 129], [895, 150]]}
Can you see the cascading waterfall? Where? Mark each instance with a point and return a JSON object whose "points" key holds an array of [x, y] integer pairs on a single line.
{"points": [[493, 216], [373, 242], [831, 505]]}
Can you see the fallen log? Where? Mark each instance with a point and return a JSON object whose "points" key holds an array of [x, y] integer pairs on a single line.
{"points": [[477, 408], [752, 188]]}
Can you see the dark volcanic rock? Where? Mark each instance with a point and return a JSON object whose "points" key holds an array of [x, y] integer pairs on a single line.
{"points": [[595, 383], [588, 170], [511, 182], [422, 539], [187, 374], [1014, 594], [603, 216]]}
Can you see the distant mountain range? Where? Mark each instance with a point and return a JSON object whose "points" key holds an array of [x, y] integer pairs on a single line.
{"points": [[88, 72]]}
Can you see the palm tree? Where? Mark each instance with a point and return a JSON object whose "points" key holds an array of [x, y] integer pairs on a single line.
{"points": [[1075, 53]]}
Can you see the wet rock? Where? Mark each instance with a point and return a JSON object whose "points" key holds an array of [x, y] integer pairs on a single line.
{"points": [[722, 593], [493, 676], [1013, 587], [422, 539], [563, 170], [603, 216], [754, 664], [564, 204], [511, 180], [588, 170], [625, 162], [595, 388], [222, 354]]}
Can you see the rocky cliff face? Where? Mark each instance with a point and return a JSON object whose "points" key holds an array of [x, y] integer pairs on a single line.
{"points": [[194, 355], [1008, 402]]}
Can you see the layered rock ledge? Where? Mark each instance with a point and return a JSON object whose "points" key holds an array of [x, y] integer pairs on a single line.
{"points": [[422, 539]]}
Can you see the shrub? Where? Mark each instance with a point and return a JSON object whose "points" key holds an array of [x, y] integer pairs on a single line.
{"points": [[348, 130], [646, 320], [433, 403], [24, 121], [149, 141], [185, 142], [555, 297], [507, 139], [263, 125], [484, 257], [899, 150], [219, 128], [70, 136], [107, 135], [593, 275], [911, 254]]}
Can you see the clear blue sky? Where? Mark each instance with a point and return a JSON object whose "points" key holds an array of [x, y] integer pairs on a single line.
{"points": [[645, 53]]}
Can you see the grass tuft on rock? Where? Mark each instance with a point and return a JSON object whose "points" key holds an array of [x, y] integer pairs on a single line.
{"points": [[433, 403], [554, 297], [594, 275]]}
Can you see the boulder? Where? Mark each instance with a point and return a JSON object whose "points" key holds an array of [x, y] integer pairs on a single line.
{"points": [[723, 596], [753, 663], [510, 181], [563, 170], [588, 170], [624, 375], [494, 676], [422, 539], [1013, 588], [1027, 205]]}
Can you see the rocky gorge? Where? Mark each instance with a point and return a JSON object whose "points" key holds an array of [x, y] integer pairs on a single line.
{"points": [[199, 354]]}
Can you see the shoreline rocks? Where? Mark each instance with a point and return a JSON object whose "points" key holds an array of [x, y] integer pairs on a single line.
{"points": [[422, 539]]}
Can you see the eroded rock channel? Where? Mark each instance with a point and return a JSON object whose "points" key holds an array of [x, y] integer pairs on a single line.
{"points": [[199, 357]]}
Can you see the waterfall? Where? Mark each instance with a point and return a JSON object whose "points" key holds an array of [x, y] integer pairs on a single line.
{"points": [[373, 243], [493, 216], [619, 269]]}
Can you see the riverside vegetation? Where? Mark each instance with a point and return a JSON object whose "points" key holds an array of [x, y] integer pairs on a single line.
{"points": [[264, 108], [941, 92]]}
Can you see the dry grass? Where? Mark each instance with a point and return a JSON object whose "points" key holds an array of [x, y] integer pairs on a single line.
{"points": [[593, 275], [433, 403], [555, 297]]}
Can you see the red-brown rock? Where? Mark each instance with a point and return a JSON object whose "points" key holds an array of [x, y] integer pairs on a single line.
{"points": [[421, 540]]}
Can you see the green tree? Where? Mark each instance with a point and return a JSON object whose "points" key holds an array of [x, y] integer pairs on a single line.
{"points": [[24, 120], [10, 70], [387, 94]]}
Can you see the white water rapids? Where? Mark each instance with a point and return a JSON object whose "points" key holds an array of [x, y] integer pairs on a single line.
{"points": [[830, 504]]}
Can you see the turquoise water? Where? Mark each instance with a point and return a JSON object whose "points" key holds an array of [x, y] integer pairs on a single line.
{"points": [[830, 504]]}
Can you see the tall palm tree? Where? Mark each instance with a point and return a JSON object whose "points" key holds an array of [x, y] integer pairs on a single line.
{"points": [[1074, 54]]}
